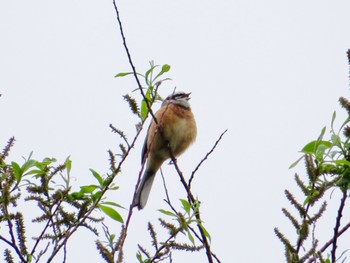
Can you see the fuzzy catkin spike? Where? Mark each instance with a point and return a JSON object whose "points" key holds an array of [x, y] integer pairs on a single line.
{"points": [[294, 202], [104, 252], [291, 218], [303, 232], [120, 133], [123, 150], [153, 235], [185, 247], [318, 215], [21, 234], [8, 256], [172, 228], [301, 184], [6, 150], [310, 168], [144, 251], [346, 131], [345, 104], [132, 104], [284, 240]]}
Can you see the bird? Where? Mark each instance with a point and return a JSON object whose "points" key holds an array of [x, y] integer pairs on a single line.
{"points": [[172, 133]]}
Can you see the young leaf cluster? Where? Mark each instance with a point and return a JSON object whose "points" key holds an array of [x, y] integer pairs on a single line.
{"points": [[152, 80], [57, 211], [327, 162]]}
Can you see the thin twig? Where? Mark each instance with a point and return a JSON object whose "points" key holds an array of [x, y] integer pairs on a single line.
{"points": [[74, 228], [165, 244], [337, 225], [330, 242], [192, 200], [12, 235], [126, 226], [14, 246], [42, 252], [205, 157], [45, 228], [167, 200], [131, 62]]}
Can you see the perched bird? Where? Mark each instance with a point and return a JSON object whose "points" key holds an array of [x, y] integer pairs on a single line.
{"points": [[175, 129]]}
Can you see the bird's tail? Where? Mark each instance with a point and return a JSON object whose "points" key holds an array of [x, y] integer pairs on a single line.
{"points": [[144, 189]]}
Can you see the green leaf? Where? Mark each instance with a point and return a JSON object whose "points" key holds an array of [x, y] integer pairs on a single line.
{"points": [[88, 189], [328, 168], [17, 171], [206, 233], [166, 68], [336, 140], [333, 118], [68, 164], [123, 74], [311, 147], [345, 122], [111, 238], [149, 79], [96, 196], [48, 161], [27, 165], [320, 151], [97, 176], [186, 205], [342, 162], [77, 196], [139, 257], [113, 204], [144, 107], [191, 238], [29, 257], [320, 137], [165, 212], [112, 213], [37, 172], [295, 163]]}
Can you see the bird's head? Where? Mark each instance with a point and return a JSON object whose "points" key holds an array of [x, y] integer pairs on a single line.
{"points": [[181, 98]]}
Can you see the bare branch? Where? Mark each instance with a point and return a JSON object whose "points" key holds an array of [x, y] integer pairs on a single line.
{"points": [[131, 62], [337, 225], [205, 157]]}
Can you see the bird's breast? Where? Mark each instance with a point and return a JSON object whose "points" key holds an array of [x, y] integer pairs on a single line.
{"points": [[181, 129]]}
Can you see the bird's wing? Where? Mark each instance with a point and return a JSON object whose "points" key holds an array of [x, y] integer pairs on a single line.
{"points": [[144, 149]]}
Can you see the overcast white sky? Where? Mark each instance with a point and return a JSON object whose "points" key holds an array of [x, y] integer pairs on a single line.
{"points": [[270, 72]]}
